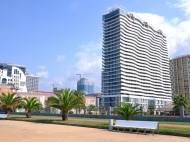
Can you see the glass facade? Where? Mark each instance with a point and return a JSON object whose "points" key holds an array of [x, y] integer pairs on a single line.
{"points": [[85, 85]]}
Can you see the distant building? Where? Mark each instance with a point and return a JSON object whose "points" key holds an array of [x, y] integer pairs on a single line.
{"points": [[180, 75], [55, 89], [85, 85], [41, 95], [13, 74], [90, 100], [32, 82], [17, 76], [98, 98]]}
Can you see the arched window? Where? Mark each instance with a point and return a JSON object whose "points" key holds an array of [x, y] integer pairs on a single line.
{"points": [[4, 81]]}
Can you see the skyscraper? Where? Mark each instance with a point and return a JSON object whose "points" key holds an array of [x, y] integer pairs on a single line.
{"points": [[135, 65], [180, 75], [85, 85]]}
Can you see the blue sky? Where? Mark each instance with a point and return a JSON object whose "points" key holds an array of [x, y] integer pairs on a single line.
{"points": [[56, 39]]}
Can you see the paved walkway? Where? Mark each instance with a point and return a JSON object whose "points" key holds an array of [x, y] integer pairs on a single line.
{"points": [[17, 131]]}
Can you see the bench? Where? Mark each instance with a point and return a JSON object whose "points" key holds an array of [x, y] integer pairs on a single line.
{"points": [[3, 116], [137, 125]]}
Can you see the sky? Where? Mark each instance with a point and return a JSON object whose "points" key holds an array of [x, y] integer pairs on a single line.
{"points": [[56, 39]]}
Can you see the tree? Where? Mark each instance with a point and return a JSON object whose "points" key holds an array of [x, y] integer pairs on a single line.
{"points": [[151, 108], [79, 95], [9, 102], [179, 100], [30, 104], [64, 100], [91, 108], [127, 110], [102, 109]]}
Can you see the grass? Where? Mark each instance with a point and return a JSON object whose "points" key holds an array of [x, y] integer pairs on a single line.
{"points": [[101, 123], [175, 123], [85, 122]]}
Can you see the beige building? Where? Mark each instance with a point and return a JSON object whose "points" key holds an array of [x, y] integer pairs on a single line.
{"points": [[180, 75], [42, 96], [90, 100], [6, 88]]}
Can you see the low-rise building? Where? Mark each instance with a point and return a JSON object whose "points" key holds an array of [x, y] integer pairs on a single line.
{"points": [[7, 88]]}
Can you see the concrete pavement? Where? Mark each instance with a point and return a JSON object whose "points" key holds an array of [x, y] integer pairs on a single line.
{"points": [[18, 131]]}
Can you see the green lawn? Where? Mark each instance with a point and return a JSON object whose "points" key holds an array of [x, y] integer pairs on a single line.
{"points": [[100, 123]]}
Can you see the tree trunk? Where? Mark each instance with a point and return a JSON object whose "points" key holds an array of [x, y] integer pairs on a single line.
{"points": [[28, 114], [79, 110], [64, 116], [7, 111], [128, 118]]}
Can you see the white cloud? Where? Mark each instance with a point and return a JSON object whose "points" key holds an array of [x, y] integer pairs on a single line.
{"points": [[60, 57], [88, 63], [175, 20], [43, 74], [178, 32], [185, 6]]}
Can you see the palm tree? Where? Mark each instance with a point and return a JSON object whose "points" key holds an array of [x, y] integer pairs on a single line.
{"points": [[102, 109], [30, 104], [9, 101], [79, 95], [91, 108], [127, 110], [64, 100]]}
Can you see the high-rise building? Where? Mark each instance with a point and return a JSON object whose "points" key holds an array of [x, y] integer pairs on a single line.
{"points": [[180, 75], [31, 82], [17, 75], [135, 65], [85, 85]]}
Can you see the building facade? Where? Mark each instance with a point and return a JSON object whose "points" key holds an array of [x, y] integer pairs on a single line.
{"points": [[85, 85], [98, 98], [180, 75], [32, 82], [135, 65], [13, 74], [7, 88], [16, 75]]}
